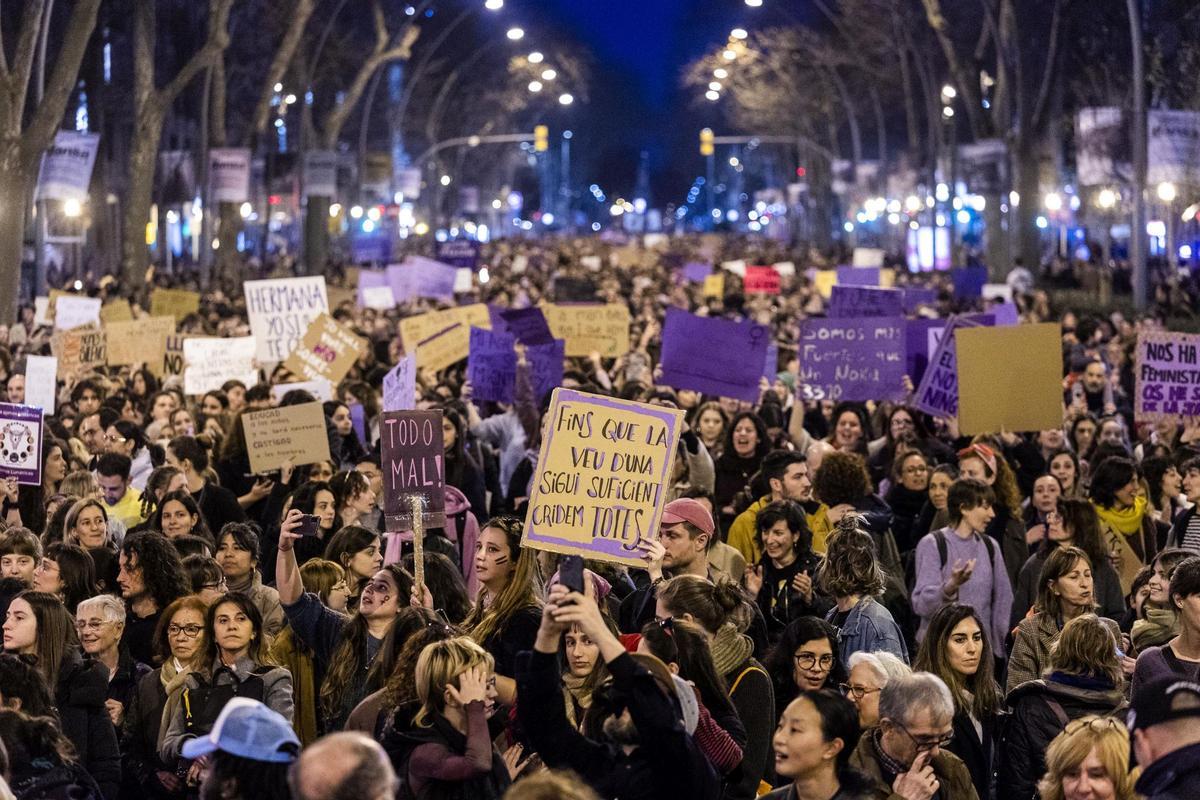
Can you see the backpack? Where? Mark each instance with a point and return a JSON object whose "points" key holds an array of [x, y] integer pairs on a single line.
{"points": [[939, 537], [202, 705]]}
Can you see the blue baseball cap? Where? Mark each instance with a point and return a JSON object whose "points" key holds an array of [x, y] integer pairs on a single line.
{"points": [[248, 729]]}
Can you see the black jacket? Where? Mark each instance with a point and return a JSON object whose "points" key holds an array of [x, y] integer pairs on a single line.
{"points": [[1038, 708], [490, 786], [978, 753], [139, 740], [80, 695], [666, 763], [1175, 776]]}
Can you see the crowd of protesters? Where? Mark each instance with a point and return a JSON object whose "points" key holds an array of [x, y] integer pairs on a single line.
{"points": [[842, 600]]}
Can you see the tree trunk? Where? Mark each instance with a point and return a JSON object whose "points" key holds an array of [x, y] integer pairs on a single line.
{"points": [[143, 157], [1029, 236], [316, 235], [227, 262], [15, 185]]}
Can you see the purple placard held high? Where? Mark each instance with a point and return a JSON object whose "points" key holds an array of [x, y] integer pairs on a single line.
{"points": [[527, 325], [546, 367], [922, 337], [492, 365], [917, 296], [865, 301], [21, 443], [696, 271], [370, 279], [713, 356], [858, 276], [461, 253], [771, 365], [852, 359]]}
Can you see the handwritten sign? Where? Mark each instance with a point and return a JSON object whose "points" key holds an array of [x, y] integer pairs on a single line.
{"points": [[41, 382], [291, 433], [444, 348], [421, 327], [713, 356], [601, 476], [1009, 378], [281, 311], [177, 303], [865, 301], [1167, 378], [378, 297], [526, 325], [79, 350], [461, 253], [72, 311], [761, 280], [938, 392], [400, 385], [117, 310], [172, 360], [492, 365], [209, 363], [413, 465], [142, 341], [591, 328], [327, 351], [852, 359], [21, 443]]}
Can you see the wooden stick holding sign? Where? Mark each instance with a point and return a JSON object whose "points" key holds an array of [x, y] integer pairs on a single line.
{"points": [[418, 547]]}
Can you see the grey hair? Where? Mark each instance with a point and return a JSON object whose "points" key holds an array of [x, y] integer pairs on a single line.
{"points": [[885, 666], [371, 778], [906, 696], [111, 608]]}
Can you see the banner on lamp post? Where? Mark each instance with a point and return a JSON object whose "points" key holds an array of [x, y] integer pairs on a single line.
{"points": [[320, 173], [229, 175], [67, 165]]}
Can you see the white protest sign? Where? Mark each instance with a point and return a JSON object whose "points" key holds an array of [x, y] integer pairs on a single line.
{"points": [[591, 262], [209, 363], [67, 165], [786, 269], [71, 311], [320, 173], [229, 174], [280, 311], [399, 385], [378, 297], [462, 280], [41, 381], [736, 267]]}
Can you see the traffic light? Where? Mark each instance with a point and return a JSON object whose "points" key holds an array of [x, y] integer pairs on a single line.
{"points": [[541, 138], [706, 142]]}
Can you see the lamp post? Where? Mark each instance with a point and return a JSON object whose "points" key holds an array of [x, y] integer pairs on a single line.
{"points": [[1167, 193], [1137, 238]]}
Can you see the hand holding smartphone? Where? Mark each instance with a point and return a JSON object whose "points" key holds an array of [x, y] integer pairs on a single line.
{"points": [[308, 525], [570, 573]]}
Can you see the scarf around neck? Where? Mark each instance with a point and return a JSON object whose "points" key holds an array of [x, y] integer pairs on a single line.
{"points": [[730, 648], [1128, 521]]}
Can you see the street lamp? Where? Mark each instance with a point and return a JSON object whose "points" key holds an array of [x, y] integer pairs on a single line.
{"points": [[445, 180], [949, 92], [729, 55], [565, 99], [535, 86], [493, 5], [713, 95], [1167, 192], [720, 73], [715, 86], [516, 34], [738, 33], [549, 74], [754, 3], [536, 57], [1053, 202]]}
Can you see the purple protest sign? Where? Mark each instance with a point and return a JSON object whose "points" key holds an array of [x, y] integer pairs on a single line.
{"points": [[865, 301], [1005, 313], [492, 365], [713, 356], [968, 281], [377, 249], [1166, 375], [696, 271], [852, 359], [917, 296], [546, 367], [771, 365], [358, 420], [411, 455], [461, 253], [370, 279], [527, 325], [922, 337], [421, 277], [21, 443], [400, 384], [858, 276], [937, 393]]}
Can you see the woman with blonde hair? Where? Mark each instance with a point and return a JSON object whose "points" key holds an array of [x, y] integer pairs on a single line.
{"points": [[1089, 761]]}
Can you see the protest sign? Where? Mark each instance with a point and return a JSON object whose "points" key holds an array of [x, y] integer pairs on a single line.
{"points": [[72, 311], [228, 175], [66, 168], [737, 267], [1167, 377], [937, 393], [79, 350], [461, 253], [858, 276], [370, 248], [917, 296], [21, 443], [209, 363], [852, 359], [41, 382], [714, 285], [545, 367], [421, 277], [280, 311], [696, 271], [413, 465], [444, 348], [865, 301], [421, 327], [601, 476], [786, 269], [1005, 313], [923, 337], [117, 310], [589, 328], [771, 364], [43, 310], [1009, 378], [574, 290], [527, 325], [464, 279], [761, 280], [371, 279], [327, 351], [594, 263], [400, 384], [824, 281], [713, 356], [996, 291], [378, 297], [867, 257], [358, 421], [321, 390], [177, 303], [291, 433], [492, 365], [172, 360], [968, 281], [142, 341], [320, 173]]}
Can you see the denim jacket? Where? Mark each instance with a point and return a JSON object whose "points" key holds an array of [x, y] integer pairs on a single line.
{"points": [[868, 628]]}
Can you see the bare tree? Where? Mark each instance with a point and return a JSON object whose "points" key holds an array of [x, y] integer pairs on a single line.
{"points": [[27, 128]]}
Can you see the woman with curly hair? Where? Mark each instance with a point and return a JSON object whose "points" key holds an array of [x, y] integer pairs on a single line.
{"points": [[151, 577], [851, 575], [805, 659]]}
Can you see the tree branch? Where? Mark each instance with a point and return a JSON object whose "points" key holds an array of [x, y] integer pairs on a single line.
{"points": [[1043, 97], [337, 116], [23, 55], [215, 41], [279, 65]]}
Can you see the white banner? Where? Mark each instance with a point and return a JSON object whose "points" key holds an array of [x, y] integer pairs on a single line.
{"points": [[41, 381], [67, 166], [378, 297], [229, 175], [320, 173], [71, 311], [1174, 147], [208, 363], [408, 182], [280, 311]]}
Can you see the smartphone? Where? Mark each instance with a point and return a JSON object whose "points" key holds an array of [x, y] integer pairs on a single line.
{"points": [[308, 525], [570, 573]]}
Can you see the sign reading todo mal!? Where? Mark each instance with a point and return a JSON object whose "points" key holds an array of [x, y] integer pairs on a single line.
{"points": [[413, 465], [601, 477]]}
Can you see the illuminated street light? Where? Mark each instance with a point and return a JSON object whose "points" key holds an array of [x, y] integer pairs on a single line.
{"points": [[738, 33], [493, 5], [1053, 201], [445, 180], [754, 3], [947, 112], [356, 212], [245, 210], [516, 34], [1167, 192], [1106, 198], [720, 73], [729, 55], [565, 99], [949, 92], [72, 208], [549, 74], [536, 57], [711, 95], [535, 86], [715, 86]]}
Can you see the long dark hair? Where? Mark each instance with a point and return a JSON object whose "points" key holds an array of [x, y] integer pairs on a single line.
{"points": [[183, 497], [258, 645], [56, 636], [262, 780], [1110, 475], [764, 439], [161, 567], [676, 641], [779, 660], [978, 694], [446, 584], [76, 570], [1080, 518]]}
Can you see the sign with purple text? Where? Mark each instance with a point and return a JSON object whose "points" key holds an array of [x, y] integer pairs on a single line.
{"points": [[21, 443], [1167, 376], [460, 253], [527, 325], [917, 296], [413, 465], [923, 337], [601, 476], [713, 356], [865, 301], [937, 393], [400, 384], [852, 359]]}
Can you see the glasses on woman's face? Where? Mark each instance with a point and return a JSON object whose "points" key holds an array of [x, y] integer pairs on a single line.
{"points": [[188, 631], [219, 586], [855, 692], [91, 624], [810, 660]]}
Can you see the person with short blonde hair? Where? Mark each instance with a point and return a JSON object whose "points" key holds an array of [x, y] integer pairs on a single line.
{"points": [[1090, 759]]}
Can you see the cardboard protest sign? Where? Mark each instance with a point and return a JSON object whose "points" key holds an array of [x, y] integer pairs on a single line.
{"points": [[852, 359], [761, 280], [177, 303], [526, 325], [371, 279], [937, 393], [923, 337], [172, 360], [591, 328], [601, 476], [142, 341], [771, 363], [378, 297], [1167, 376], [72, 311], [66, 168], [545, 366], [713, 356], [696, 271], [400, 385], [321, 390], [824, 281], [327, 351], [209, 363], [413, 465], [492, 365], [421, 327], [41, 382], [714, 285], [21, 443], [444, 348], [1009, 378], [291, 433], [117, 310], [280, 312], [79, 350], [865, 301]]}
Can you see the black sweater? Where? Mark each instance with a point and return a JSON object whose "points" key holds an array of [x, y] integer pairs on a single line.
{"points": [[80, 695]]}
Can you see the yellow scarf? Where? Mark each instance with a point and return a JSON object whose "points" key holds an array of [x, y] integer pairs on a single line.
{"points": [[1128, 521]]}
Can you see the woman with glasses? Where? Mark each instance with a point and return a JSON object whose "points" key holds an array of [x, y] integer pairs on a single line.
{"points": [[869, 673], [37, 624], [783, 581], [805, 660], [956, 649], [177, 639], [100, 621], [1089, 760], [1083, 677]]}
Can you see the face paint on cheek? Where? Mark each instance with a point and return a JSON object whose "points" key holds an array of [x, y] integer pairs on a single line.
{"points": [[501, 560]]}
